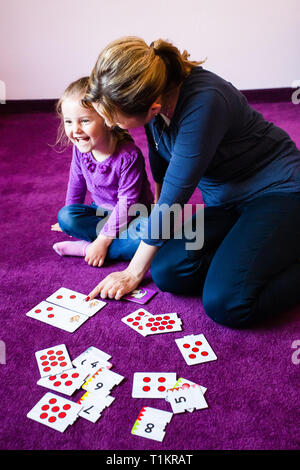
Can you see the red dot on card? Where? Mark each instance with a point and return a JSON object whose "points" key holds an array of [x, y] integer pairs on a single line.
{"points": [[192, 356], [43, 415], [198, 343], [66, 407], [148, 325], [169, 327], [49, 309], [186, 345], [45, 363], [54, 363], [52, 419], [140, 328], [51, 315], [64, 376], [172, 322], [58, 353], [135, 323], [159, 318], [129, 319], [75, 375], [46, 369], [164, 322], [42, 358], [161, 328], [59, 296], [204, 353], [55, 409], [141, 313], [156, 323], [52, 401], [146, 379], [73, 296], [166, 317], [161, 388], [57, 383], [45, 407], [51, 358], [63, 364], [50, 352], [37, 310], [153, 328], [161, 379], [68, 383], [61, 358], [146, 388], [137, 318], [195, 349], [186, 386], [62, 414]]}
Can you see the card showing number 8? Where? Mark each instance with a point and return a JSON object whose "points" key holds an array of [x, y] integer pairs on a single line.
{"points": [[151, 423]]}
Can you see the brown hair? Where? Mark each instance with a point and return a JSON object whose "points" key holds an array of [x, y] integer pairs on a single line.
{"points": [[129, 75], [79, 87]]}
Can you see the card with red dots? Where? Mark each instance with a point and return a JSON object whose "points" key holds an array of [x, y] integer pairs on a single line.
{"points": [[75, 301], [151, 423], [157, 324], [55, 411], [135, 320], [184, 399], [195, 349], [67, 382], [53, 360], [152, 384], [59, 317]]}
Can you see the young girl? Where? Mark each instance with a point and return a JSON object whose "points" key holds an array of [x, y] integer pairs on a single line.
{"points": [[107, 163]]}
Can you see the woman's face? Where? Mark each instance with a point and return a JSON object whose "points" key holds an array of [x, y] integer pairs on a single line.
{"points": [[129, 122]]}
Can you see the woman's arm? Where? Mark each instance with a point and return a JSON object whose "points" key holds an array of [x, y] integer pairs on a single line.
{"points": [[157, 191], [119, 283]]}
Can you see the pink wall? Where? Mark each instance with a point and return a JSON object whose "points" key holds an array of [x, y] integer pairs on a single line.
{"points": [[45, 44]]}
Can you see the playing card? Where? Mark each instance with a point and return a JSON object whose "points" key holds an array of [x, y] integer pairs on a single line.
{"points": [[141, 295], [151, 423], [93, 404], [54, 411], [57, 316], [75, 301], [102, 381], [53, 360], [91, 360], [134, 320], [195, 349], [157, 324], [152, 384], [184, 399], [67, 382]]}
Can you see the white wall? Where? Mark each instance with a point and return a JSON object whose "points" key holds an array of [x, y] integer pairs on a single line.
{"points": [[45, 44]]}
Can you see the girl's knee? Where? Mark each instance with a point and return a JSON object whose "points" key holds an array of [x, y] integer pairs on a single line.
{"points": [[65, 218]]}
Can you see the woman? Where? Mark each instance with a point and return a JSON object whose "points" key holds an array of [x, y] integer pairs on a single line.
{"points": [[202, 132]]}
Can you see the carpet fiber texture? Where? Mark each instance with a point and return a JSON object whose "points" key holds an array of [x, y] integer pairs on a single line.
{"points": [[253, 387]]}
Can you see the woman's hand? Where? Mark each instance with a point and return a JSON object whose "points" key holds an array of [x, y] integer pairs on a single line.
{"points": [[97, 250], [56, 228], [115, 285]]}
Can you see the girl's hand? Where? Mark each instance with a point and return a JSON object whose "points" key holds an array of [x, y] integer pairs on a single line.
{"points": [[115, 285], [56, 228], [97, 250]]}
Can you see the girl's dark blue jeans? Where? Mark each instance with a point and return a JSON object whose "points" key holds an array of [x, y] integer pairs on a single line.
{"points": [[81, 221], [247, 269]]}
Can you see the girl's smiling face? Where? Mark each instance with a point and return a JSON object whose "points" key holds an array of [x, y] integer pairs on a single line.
{"points": [[83, 126]]}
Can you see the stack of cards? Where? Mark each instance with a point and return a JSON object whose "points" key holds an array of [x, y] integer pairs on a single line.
{"points": [[142, 295], [66, 309], [146, 324], [90, 371], [182, 395]]}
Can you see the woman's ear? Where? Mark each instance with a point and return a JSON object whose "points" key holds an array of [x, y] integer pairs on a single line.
{"points": [[154, 110]]}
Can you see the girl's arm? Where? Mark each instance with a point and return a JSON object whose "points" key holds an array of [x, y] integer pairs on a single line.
{"points": [[119, 283]]}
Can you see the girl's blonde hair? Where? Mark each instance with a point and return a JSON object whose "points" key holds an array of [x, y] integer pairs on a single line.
{"points": [[79, 88], [129, 75]]}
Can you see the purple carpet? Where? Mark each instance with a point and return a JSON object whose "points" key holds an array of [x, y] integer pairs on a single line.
{"points": [[252, 389]]}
